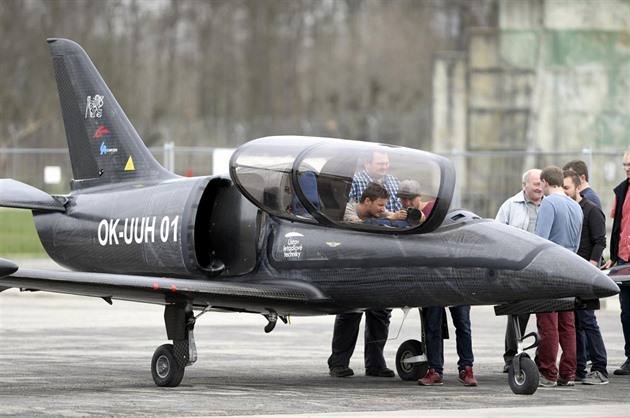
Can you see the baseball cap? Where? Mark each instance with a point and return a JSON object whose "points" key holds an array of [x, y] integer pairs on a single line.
{"points": [[408, 189]]}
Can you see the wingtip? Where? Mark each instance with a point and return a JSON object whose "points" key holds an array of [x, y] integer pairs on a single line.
{"points": [[7, 267]]}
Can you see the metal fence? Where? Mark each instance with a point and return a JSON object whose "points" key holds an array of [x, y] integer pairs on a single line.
{"points": [[484, 178]]}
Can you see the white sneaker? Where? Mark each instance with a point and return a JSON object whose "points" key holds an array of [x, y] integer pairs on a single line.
{"points": [[595, 378], [546, 383]]}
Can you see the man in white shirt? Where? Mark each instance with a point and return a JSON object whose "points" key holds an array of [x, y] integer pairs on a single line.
{"points": [[520, 211]]}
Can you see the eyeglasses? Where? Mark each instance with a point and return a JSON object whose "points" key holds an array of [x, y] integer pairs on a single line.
{"points": [[625, 165]]}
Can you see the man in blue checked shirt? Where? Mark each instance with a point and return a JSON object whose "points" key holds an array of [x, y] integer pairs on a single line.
{"points": [[375, 170]]}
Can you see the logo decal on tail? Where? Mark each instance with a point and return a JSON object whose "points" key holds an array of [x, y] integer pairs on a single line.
{"points": [[101, 132], [105, 150], [94, 107]]}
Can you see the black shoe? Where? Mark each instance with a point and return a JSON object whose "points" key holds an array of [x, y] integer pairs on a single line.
{"points": [[341, 371], [623, 370], [379, 372], [506, 368]]}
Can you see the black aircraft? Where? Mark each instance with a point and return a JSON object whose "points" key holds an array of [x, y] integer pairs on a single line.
{"points": [[269, 238]]}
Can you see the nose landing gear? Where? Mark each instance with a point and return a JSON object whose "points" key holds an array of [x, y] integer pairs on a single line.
{"points": [[523, 374]]}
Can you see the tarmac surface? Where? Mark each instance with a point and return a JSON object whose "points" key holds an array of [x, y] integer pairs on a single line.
{"points": [[73, 356]]}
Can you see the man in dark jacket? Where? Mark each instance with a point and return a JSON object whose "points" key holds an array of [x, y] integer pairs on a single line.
{"points": [[592, 244], [620, 254], [586, 191]]}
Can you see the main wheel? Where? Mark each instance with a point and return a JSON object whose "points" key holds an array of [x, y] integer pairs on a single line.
{"points": [[410, 371], [526, 382], [164, 367]]}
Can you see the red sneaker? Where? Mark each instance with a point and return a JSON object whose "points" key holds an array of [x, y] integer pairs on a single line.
{"points": [[466, 377], [431, 379]]}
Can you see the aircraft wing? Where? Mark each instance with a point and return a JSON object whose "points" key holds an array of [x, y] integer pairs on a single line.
{"points": [[620, 274], [250, 296], [6, 268], [16, 194]]}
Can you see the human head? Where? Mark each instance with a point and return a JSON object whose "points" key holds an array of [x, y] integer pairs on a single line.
{"points": [[579, 167], [551, 177], [373, 200], [409, 193], [376, 164], [626, 163], [531, 185], [571, 184]]}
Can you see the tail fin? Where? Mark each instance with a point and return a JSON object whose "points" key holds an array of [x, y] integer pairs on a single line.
{"points": [[104, 146]]}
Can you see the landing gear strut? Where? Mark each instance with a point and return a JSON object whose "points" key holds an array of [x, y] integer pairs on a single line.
{"points": [[170, 360], [523, 374]]}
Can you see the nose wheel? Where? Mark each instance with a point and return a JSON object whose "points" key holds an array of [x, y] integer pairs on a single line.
{"points": [[523, 375]]}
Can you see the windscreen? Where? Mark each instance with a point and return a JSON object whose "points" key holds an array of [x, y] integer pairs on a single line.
{"points": [[347, 184]]}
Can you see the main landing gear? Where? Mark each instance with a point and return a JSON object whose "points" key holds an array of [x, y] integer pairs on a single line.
{"points": [[170, 360], [523, 374], [411, 360]]}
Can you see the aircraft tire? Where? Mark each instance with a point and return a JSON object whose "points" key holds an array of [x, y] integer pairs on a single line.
{"points": [[410, 371], [164, 367], [527, 382]]}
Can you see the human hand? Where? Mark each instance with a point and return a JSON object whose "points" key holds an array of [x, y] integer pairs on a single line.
{"points": [[608, 264]]}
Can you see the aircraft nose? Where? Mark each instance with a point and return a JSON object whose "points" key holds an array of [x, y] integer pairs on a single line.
{"points": [[568, 270], [605, 288]]}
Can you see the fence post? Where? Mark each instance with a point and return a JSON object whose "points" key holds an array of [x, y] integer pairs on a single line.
{"points": [[169, 156]]}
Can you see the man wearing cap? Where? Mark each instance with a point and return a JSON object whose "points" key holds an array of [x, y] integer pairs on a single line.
{"points": [[410, 196], [435, 345]]}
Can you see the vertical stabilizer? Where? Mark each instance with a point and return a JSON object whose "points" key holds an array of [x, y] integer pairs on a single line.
{"points": [[104, 146]]}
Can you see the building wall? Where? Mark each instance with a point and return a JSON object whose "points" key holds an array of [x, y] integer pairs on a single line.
{"points": [[554, 77]]}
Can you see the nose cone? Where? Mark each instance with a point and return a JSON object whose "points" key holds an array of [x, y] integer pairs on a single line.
{"points": [[606, 288], [566, 274]]}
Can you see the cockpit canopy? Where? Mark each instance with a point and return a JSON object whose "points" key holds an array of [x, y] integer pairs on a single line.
{"points": [[309, 179]]}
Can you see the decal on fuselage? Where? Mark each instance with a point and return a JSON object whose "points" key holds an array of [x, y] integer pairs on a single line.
{"points": [[293, 247], [139, 230]]}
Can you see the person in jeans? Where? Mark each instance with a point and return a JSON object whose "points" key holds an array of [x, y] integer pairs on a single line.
{"points": [[592, 243], [560, 221], [435, 345], [410, 195], [620, 254], [373, 202]]}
